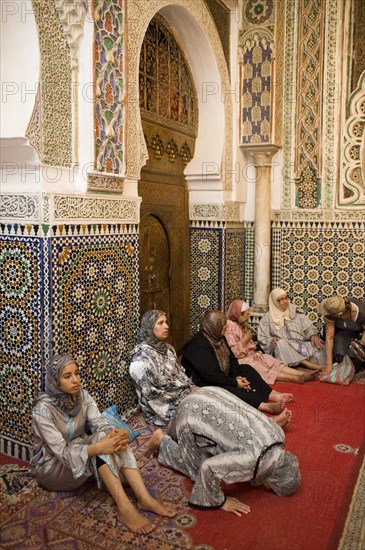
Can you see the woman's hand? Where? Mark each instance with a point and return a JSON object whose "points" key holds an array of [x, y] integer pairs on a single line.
{"points": [[120, 438], [247, 337], [317, 342], [235, 506], [114, 442], [243, 383], [274, 341]]}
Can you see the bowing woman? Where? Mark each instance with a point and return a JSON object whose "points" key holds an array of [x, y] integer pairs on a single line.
{"points": [[217, 438], [209, 362], [344, 320], [65, 456]]}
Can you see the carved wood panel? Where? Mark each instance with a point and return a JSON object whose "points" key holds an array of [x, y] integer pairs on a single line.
{"points": [[154, 266]]}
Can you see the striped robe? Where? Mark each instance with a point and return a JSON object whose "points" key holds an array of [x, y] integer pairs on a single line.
{"points": [[294, 343]]}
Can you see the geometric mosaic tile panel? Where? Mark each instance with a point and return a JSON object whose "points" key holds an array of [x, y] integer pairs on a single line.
{"points": [[233, 265], [314, 262], [22, 302], [251, 255], [95, 311], [205, 273], [77, 293]]}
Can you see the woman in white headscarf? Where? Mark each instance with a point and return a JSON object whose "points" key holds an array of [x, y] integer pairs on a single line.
{"points": [[239, 339], [66, 454], [289, 335]]}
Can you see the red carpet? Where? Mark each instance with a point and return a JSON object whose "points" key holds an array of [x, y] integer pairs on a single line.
{"points": [[324, 416], [313, 519]]}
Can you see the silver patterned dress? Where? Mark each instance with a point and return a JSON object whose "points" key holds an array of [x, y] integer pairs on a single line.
{"points": [[60, 456], [216, 437], [160, 382]]}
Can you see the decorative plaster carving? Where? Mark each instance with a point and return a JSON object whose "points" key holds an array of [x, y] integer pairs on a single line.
{"points": [[352, 180], [309, 102], [229, 211], [56, 87], [71, 207], [34, 130], [101, 181], [19, 207], [72, 17]]}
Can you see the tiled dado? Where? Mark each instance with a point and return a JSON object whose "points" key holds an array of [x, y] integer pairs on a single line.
{"points": [[76, 292], [314, 260], [222, 257]]}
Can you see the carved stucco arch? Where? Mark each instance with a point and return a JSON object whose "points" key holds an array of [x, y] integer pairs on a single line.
{"points": [[196, 30]]}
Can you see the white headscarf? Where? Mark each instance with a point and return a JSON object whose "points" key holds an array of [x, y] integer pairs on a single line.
{"points": [[278, 316]]}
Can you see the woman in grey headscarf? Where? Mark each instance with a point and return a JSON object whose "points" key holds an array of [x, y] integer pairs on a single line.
{"points": [[215, 437], [65, 456], [159, 380]]}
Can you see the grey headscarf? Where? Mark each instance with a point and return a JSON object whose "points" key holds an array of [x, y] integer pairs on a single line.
{"points": [[68, 403], [283, 476], [146, 334]]}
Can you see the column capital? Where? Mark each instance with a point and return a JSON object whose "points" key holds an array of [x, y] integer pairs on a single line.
{"points": [[261, 153]]}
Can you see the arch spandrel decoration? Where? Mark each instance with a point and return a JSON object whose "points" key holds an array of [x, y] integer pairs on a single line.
{"points": [[351, 190], [139, 14]]}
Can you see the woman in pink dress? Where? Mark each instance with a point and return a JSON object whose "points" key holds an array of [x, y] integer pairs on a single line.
{"points": [[239, 339]]}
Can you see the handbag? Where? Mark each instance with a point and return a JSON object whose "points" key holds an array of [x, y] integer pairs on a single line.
{"points": [[341, 373], [357, 349]]}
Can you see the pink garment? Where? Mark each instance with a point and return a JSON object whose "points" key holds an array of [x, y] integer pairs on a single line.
{"points": [[267, 366]]}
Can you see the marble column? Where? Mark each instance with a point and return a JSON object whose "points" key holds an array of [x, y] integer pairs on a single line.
{"points": [[262, 156]]}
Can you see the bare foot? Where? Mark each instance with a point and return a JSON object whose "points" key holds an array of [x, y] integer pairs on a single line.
{"points": [[311, 366], [311, 375], [278, 396], [159, 508], [283, 419], [134, 521], [287, 397], [153, 444], [326, 371], [272, 408]]}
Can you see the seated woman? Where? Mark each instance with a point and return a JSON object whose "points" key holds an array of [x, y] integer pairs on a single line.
{"points": [[159, 380], [344, 321], [289, 335], [65, 456], [209, 362], [215, 438], [239, 339]]}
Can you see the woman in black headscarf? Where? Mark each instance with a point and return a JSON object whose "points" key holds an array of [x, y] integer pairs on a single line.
{"points": [[209, 362], [159, 380], [65, 456]]}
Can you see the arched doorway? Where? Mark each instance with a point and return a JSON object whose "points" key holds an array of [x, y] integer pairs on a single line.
{"points": [[169, 113]]}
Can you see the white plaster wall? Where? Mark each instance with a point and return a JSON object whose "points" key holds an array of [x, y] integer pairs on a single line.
{"points": [[209, 144], [20, 65], [85, 105], [276, 180]]}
